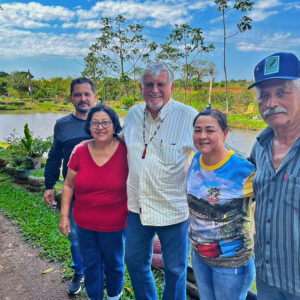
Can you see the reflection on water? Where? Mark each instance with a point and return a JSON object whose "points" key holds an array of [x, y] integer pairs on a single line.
{"points": [[42, 125], [242, 140]]}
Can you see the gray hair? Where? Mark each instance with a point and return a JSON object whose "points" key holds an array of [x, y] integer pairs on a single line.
{"points": [[155, 68], [296, 83]]}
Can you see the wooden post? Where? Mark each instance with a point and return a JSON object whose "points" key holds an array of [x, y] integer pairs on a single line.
{"points": [[211, 72], [29, 85]]}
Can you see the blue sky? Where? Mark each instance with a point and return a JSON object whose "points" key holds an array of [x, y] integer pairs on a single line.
{"points": [[52, 37]]}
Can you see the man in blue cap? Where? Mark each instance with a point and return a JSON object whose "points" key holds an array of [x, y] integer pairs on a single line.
{"points": [[276, 155]]}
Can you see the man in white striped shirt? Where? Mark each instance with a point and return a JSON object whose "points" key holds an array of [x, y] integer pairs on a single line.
{"points": [[158, 135]]}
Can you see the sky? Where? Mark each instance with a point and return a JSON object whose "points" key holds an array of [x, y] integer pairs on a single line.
{"points": [[51, 38]]}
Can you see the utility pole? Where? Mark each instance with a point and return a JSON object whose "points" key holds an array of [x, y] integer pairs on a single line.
{"points": [[29, 86], [211, 72]]}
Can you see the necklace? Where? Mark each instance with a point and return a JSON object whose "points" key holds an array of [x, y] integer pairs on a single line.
{"points": [[144, 133]]}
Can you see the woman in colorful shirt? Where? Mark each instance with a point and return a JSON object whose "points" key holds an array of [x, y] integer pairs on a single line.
{"points": [[219, 189], [97, 175]]}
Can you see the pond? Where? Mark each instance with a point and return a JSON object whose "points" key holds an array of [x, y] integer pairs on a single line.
{"points": [[42, 125]]}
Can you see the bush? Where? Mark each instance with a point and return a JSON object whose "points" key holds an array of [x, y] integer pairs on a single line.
{"points": [[128, 101]]}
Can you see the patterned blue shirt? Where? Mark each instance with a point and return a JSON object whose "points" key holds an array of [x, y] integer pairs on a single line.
{"points": [[277, 219]]}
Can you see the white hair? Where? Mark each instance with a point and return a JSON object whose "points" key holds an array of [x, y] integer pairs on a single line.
{"points": [[155, 68], [296, 83]]}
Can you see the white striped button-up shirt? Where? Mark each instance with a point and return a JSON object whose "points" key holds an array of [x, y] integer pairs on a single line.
{"points": [[156, 185]]}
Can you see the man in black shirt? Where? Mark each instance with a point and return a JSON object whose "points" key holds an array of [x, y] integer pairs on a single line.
{"points": [[68, 132]]}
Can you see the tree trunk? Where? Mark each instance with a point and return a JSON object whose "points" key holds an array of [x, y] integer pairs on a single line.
{"points": [[122, 74], [225, 72]]}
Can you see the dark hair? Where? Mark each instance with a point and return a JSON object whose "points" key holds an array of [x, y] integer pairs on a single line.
{"points": [[82, 80], [112, 115], [219, 116]]}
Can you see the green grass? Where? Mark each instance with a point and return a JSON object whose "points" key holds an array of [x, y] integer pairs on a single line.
{"points": [[39, 226], [246, 122], [38, 173]]}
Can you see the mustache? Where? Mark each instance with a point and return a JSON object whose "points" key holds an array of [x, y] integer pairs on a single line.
{"points": [[84, 102], [275, 110]]}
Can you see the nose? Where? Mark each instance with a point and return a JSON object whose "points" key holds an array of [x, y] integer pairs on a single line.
{"points": [[272, 101], [155, 88], [202, 135]]}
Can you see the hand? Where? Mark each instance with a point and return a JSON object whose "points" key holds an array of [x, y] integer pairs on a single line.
{"points": [[49, 197], [79, 145], [64, 226]]}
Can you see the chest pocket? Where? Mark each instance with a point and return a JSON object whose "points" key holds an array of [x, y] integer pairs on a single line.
{"points": [[292, 190], [169, 154]]}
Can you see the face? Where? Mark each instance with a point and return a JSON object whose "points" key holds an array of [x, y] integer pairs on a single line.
{"points": [[101, 133], [279, 102], [156, 91], [208, 136], [83, 98]]}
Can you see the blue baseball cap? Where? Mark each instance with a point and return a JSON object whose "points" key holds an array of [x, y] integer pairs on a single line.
{"points": [[280, 65]]}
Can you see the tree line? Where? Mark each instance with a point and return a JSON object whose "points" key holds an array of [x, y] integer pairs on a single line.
{"points": [[117, 57]]}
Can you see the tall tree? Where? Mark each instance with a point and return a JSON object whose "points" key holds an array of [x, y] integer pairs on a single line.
{"points": [[96, 68], [187, 43], [242, 6], [122, 43], [202, 68]]}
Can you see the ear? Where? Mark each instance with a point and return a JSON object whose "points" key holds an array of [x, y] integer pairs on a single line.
{"points": [[141, 87], [225, 134], [172, 87], [95, 99]]}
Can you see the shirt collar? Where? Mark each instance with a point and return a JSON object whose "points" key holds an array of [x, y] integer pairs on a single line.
{"points": [[267, 135]]}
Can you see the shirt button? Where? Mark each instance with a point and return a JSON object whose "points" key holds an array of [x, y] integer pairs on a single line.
{"points": [[268, 221], [267, 242], [271, 200], [267, 261]]}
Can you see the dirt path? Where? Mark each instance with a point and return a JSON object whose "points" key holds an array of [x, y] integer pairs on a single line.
{"points": [[21, 269]]}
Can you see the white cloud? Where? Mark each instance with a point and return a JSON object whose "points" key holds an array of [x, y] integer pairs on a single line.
{"points": [[201, 5], [21, 43], [261, 15], [263, 4], [91, 24], [260, 11], [156, 14], [275, 42], [292, 5], [32, 15]]}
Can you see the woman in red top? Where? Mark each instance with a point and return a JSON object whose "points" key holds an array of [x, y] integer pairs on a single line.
{"points": [[97, 176]]}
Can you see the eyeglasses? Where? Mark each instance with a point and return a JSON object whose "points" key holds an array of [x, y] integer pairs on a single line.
{"points": [[105, 124]]}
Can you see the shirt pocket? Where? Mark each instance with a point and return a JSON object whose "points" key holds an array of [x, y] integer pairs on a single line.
{"points": [[292, 191], [169, 153]]}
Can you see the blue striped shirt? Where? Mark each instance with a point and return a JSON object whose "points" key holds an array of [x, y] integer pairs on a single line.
{"points": [[277, 219]]}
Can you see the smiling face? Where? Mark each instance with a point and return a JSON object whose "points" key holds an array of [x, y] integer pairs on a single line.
{"points": [[101, 134], [83, 98], [156, 91], [208, 135], [279, 102]]}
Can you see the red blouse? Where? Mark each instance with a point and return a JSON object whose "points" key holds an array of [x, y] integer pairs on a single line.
{"points": [[100, 192]]}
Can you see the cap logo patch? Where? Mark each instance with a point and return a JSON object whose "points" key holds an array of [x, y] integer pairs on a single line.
{"points": [[271, 65]]}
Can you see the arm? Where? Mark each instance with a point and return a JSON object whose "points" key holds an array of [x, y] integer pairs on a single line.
{"points": [[67, 195], [52, 169]]}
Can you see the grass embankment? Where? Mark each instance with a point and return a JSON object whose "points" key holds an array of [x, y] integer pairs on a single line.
{"points": [[39, 226], [238, 117], [34, 106]]}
